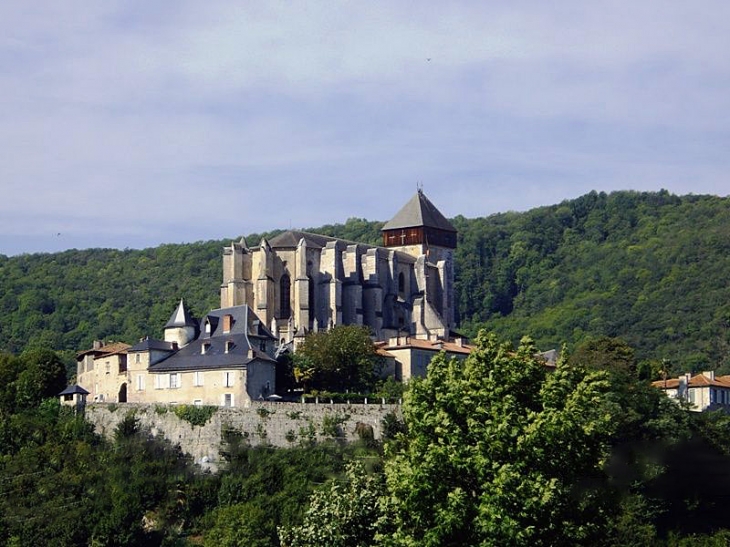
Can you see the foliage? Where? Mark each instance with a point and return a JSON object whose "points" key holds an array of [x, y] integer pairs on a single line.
{"points": [[342, 357], [195, 415], [342, 514], [648, 267], [500, 452]]}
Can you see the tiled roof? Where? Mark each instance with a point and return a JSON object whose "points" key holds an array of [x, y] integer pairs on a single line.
{"points": [[431, 345], [699, 380], [419, 211], [107, 349]]}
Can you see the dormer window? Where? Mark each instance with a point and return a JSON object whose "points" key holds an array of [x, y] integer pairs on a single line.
{"points": [[207, 327], [205, 348], [229, 345]]}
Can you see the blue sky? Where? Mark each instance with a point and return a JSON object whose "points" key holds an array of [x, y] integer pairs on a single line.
{"points": [[131, 124]]}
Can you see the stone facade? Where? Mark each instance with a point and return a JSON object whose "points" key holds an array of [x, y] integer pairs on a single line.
{"points": [[274, 424], [301, 282]]}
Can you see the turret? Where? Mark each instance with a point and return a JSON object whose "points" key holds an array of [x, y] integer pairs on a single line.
{"points": [[181, 328]]}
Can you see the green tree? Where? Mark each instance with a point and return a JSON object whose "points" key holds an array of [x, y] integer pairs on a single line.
{"points": [[342, 358], [501, 452], [342, 514], [43, 375]]}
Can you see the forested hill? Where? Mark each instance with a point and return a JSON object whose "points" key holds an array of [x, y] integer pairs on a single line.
{"points": [[651, 268]]}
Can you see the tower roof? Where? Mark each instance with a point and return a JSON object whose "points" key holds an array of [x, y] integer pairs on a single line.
{"points": [[181, 318], [419, 212]]}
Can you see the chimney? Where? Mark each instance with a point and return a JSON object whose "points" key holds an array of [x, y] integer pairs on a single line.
{"points": [[98, 344], [227, 322], [709, 374]]}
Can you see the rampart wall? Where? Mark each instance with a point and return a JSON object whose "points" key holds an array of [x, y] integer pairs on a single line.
{"points": [[272, 423]]}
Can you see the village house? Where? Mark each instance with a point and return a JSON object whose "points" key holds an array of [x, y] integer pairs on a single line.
{"points": [[701, 392]]}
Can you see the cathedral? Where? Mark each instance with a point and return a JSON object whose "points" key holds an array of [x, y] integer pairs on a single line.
{"points": [[301, 282]]}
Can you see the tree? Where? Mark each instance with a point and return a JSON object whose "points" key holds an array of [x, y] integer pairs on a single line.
{"points": [[501, 452], [342, 358], [43, 376], [344, 514]]}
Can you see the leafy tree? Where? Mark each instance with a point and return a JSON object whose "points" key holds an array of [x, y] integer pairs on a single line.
{"points": [[343, 514], [500, 452], [43, 375], [343, 357]]}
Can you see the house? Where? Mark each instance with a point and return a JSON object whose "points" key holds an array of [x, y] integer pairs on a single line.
{"points": [[228, 361], [102, 370], [701, 392], [408, 357]]}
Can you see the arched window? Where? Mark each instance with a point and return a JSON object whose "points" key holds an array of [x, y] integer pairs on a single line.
{"points": [[401, 283], [285, 297]]}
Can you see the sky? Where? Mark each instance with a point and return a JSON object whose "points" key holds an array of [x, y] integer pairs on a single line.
{"points": [[129, 124]]}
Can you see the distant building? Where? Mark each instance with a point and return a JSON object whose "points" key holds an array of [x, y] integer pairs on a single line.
{"points": [[701, 392]]}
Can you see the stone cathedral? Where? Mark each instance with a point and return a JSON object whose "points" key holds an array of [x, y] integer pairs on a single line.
{"points": [[300, 282]]}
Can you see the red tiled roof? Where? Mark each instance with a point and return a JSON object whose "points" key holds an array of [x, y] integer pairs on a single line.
{"points": [[699, 380], [107, 349], [431, 345]]}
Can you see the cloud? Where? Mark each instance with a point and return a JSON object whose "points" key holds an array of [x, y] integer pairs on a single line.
{"points": [[173, 121]]}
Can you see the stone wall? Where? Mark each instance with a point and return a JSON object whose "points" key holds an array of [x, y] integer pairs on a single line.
{"points": [[275, 424]]}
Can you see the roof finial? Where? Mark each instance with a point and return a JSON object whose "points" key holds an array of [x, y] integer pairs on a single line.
{"points": [[419, 187]]}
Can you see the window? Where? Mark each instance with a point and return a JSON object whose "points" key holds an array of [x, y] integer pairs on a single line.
{"points": [[198, 402], [122, 363], [174, 380], [162, 381], [198, 378], [262, 345], [228, 379], [285, 297], [401, 283], [228, 399], [136, 358], [68, 397], [140, 382], [205, 348]]}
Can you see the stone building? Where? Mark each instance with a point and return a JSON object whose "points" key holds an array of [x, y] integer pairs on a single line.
{"points": [[300, 282], [274, 294], [225, 360]]}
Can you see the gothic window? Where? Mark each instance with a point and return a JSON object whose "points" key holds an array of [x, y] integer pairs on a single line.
{"points": [[285, 297]]}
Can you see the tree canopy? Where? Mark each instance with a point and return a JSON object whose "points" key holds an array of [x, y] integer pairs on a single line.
{"points": [[339, 359]]}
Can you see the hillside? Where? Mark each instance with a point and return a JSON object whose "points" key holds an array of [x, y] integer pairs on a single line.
{"points": [[648, 267]]}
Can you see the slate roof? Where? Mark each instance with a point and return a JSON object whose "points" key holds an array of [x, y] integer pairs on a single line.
{"points": [[181, 318], [419, 212], [291, 238], [191, 357], [151, 344], [244, 327], [73, 390]]}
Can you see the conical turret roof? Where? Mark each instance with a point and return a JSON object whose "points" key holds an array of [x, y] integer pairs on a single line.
{"points": [[419, 211], [181, 318]]}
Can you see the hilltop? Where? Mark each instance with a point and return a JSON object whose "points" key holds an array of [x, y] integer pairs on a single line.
{"points": [[647, 267]]}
